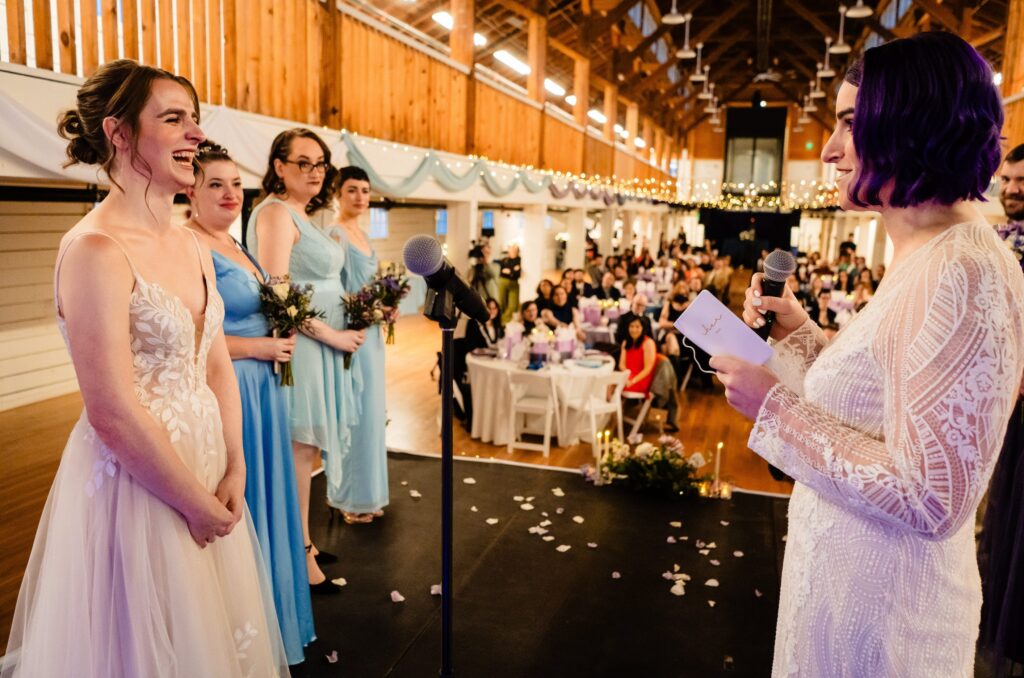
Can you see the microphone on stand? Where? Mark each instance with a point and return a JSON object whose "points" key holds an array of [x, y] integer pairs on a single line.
{"points": [[423, 256], [778, 266]]}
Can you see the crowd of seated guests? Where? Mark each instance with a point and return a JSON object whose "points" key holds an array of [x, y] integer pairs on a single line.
{"points": [[833, 292]]}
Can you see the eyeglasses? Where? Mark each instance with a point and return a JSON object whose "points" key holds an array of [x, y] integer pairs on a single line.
{"points": [[307, 167]]}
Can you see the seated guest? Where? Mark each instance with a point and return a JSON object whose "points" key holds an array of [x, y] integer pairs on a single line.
{"points": [[580, 287], [608, 290], [528, 315], [644, 260], [544, 289], [638, 357], [843, 283], [862, 294], [568, 283], [594, 269], [486, 334], [637, 310], [821, 314], [628, 291], [621, 273], [560, 313], [675, 304]]}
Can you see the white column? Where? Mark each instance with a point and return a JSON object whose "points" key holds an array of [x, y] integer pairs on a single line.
{"points": [[607, 220], [627, 233], [535, 250], [576, 227], [463, 227]]}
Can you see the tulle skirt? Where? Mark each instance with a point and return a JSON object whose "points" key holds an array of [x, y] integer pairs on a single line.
{"points": [[116, 587]]}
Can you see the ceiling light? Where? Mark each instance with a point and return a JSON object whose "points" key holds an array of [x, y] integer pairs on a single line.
{"points": [[997, 79], [571, 99], [597, 116], [840, 47], [699, 76], [479, 40], [685, 52], [810, 107], [512, 62], [443, 18], [553, 87], [859, 11], [639, 143], [673, 18], [826, 71]]}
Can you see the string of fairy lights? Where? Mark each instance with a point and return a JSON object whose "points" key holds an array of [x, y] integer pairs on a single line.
{"points": [[800, 195]]}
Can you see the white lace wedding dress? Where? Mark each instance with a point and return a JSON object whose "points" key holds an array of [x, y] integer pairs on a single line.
{"points": [[891, 432], [115, 586]]}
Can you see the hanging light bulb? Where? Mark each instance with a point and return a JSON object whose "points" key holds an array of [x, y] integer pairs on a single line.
{"points": [[841, 47], [685, 52], [673, 18], [816, 92], [809, 106], [859, 11], [698, 75], [709, 91], [827, 71], [712, 108]]}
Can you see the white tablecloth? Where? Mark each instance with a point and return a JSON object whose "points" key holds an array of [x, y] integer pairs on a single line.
{"points": [[492, 400]]}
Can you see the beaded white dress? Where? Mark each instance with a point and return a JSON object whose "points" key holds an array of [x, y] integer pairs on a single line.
{"points": [[115, 586], [891, 431]]}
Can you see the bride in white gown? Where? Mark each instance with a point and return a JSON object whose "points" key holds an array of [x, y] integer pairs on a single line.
{"points": [[891, 429], [144, 563]]}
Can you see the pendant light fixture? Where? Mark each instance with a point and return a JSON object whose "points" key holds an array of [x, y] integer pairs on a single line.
{"points": [[859, 11], [685, 52], [841, 47], [698, 75], [673, 18], [826, 71]]}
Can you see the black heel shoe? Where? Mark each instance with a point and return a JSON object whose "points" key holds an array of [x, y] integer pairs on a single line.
{"points": [[322, 557]]}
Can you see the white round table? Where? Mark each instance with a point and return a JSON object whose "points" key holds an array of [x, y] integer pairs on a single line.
{"points": [[492, 400]]}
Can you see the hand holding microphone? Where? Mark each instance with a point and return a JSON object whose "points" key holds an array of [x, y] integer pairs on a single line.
{"points": [[769, 306]]}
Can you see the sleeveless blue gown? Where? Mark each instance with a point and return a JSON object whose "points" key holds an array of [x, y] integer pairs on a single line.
{"points": [[322, 404], [364, 485], [270, 490]]}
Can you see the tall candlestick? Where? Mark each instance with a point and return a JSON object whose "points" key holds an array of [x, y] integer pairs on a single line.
{"points": [[718, 465]]}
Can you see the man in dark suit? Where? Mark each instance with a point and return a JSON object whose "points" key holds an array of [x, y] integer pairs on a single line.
{"points": [[638, 310], [607, 289]]}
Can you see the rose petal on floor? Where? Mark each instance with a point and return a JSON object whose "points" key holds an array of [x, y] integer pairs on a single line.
{"points": [[675, 567], [671, 540], [332, 658], [559, 510], [435, 589], [544, 513], [340, 581], [530, 498], [492, 521], [396, 597], [616, 575], [469, 481], [725, 523], [699, 543], [678, 589], [545, 523], [404, 483], [684, 538], [712, 545], [473, 509], [548, 538], [518, 498], [578, 520], [558, 492], [526, 507], [415, 494], [711, 582], [711, 603], [591, 544], [714, 562], [704, 552], [562, 548], [737, 554], [676, 524], [668, 575], [758, 593]]}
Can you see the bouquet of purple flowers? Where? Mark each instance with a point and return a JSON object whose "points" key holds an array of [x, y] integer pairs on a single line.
{"points": [[288, 308], [1013, 235], [363, 310], [391, 286]]}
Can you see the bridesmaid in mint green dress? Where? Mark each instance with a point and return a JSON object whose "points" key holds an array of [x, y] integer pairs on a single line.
{"points": [[364, 483], [270, 491], [300, 181]]}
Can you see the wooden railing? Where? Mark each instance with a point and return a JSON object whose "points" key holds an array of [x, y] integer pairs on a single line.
{"points": [[316, 63]]}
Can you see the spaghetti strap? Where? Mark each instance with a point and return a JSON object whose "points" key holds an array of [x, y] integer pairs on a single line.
{"points": [[60, 260]]}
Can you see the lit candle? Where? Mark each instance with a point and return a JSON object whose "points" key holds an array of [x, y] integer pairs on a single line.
{"points": [[718, 465], [726, 491]]}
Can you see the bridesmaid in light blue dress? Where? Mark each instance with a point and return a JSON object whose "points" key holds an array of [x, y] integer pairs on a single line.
{"points": [[270, 490], [364, 486], [300, 181]]}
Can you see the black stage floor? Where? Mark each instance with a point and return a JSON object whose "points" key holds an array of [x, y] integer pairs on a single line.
{"points": [[523, 608]]}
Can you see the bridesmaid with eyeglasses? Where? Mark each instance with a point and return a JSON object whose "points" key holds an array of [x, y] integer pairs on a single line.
{"points": [[270, 490], [299, 182]]}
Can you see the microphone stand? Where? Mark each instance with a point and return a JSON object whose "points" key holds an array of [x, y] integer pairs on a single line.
{"points": [[440, 307]]}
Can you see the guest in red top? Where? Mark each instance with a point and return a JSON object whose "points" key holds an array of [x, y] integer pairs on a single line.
{"points": [[638, 356]]}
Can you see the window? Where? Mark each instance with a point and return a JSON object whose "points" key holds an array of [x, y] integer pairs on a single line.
{"points": [[754, 147], [441, 222], [378, 223], [487, 228]]}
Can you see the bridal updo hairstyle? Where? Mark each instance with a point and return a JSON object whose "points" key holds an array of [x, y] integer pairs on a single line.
{"points": [[118, 89], [279, 150], [927, 119]]}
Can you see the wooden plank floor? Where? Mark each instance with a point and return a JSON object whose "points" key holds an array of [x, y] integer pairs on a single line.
{"points": [[33, 437]]}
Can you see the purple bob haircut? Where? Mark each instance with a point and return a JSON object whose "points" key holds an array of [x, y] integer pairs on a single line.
{"points": [[928, 119]]}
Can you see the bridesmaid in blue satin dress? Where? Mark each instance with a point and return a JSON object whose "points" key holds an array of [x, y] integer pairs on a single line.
{"points": [[364, 486], [270, 490], [299, 182]]}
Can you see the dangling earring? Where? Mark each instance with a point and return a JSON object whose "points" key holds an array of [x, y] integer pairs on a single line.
{"points": [[279, 186]]}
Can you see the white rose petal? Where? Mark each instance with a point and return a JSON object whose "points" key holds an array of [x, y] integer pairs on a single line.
{"points": [[526, 507], [714, 562], [545, 523], [738, 554], [703, 552], [712, 545], [675, 567], [667, 575], [396, 597], [529, 499], [578, 520], [404, 483], [562, 548], [469, 481], [591, 544], [700, 543], [758, 593], [671, 540], [559, 510], [711, 603], [558, 492], [616, 575], [473, 509], [784, 537], [711, 582], [725, 523], [340, 581], [548, 538], [332, 658], [492, 521], [435, 589], [678, 589], [544, 513], [684, 538], [518, 498], [676, 523], [415, 494]]}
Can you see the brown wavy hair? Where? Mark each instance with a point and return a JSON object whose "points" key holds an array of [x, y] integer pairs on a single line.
{"points": [[118, 89], [279, 150]]}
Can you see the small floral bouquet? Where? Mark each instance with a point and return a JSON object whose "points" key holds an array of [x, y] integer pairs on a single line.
{"points": [[661, 468], [391, 285], [288, 308], [363, 310], [1013, 235]]}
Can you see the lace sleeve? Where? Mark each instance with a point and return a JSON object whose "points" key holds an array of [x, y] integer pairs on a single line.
{"points": [[949, 351], [796, 353]]}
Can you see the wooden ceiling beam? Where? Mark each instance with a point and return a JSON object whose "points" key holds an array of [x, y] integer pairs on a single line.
{"points": [[724, 100], [812, 18], [980, 41], [796, 99], [940, 13]]}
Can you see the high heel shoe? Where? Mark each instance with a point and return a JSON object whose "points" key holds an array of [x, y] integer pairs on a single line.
{"points": [[322, 557], [357, 518]]}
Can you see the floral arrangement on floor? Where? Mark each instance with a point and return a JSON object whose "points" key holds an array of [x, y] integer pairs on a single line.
{"points": [[1013, 235], [661, 468], [288, 307], [391, 285], [363, 310]]}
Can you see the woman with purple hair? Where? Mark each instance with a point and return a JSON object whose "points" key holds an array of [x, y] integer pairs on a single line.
{"points": [[891, 430]]}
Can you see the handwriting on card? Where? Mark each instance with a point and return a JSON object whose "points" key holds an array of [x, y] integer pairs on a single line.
{"points": [[713, 327]]}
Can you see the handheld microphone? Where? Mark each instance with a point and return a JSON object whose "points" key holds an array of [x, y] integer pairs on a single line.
{"points": [[778, 266], [423, 256]]}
